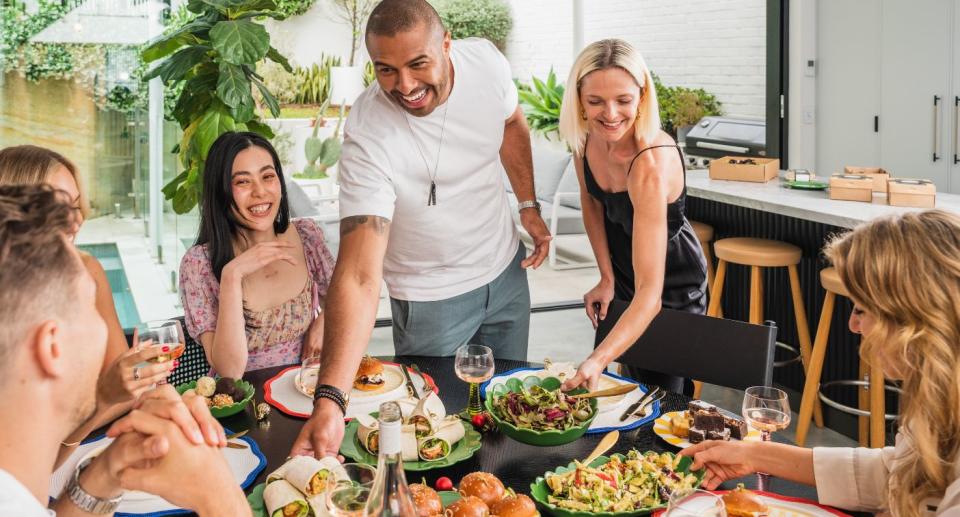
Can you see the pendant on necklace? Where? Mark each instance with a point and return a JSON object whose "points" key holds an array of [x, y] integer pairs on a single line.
{"points": [[432, 198]]}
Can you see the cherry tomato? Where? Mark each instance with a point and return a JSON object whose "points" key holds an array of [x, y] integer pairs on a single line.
{"points": [[478, 420], [443, 484]]}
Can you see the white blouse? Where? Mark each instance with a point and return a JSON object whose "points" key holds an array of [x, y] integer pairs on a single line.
{"points": [[858, 479]]}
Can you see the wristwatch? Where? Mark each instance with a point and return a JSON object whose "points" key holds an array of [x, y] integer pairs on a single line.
{"points": [[529, 204], [83, 500], [327, 391]]}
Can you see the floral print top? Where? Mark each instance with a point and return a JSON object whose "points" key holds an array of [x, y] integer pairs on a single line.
{"points": [[275, 335]]}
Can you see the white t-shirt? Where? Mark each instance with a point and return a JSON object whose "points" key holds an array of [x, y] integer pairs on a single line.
{"points": [[15, 499], [468, 238]]}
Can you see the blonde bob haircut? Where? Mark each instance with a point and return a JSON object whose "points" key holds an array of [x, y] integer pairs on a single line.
{"points": [[33, 165], [602, 55]]}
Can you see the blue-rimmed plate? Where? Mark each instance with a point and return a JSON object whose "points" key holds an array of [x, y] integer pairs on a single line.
{"points": [[610, 408]]}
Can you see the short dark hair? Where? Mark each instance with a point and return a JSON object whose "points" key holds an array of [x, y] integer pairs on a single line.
{"points": [[218, 223], [38, 265], [392, 16]]}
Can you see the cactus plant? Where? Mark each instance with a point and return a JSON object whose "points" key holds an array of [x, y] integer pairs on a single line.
{"points": [[322, 153]]}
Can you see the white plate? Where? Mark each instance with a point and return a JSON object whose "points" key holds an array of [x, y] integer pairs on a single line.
{"points": [[244, 463], [393, 385], [282, 393], [609, 408], [782, 506], [661, 427]]}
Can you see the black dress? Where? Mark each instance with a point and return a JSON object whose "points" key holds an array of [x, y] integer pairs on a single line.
{"points": [[685, 276]]}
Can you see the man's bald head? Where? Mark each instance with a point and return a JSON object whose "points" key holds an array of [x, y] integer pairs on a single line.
{"points": [[390, 17]]}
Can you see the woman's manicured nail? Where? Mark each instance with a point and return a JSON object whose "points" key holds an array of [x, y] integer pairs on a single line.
{"points": [[165, 349]]}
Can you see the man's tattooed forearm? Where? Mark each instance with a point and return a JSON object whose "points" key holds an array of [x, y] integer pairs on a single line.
{"points": [[349, 224]]}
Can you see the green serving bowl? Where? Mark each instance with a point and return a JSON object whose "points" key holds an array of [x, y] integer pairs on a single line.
{"points": [[351, 448], [232, 409], [539, 490], [529, 436]]}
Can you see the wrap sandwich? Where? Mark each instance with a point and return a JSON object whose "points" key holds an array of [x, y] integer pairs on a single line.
{"points": [[438, 445], [283, 500], [368, 432]]}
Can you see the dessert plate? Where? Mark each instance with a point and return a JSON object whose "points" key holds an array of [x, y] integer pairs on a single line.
{"points": [[661, 427]]}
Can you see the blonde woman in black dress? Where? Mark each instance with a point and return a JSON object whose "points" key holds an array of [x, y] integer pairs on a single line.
{"points": [[632, 192]]}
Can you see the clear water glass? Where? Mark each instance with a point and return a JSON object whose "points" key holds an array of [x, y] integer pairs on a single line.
{"points": [[695, 503], [163, 333], [347, 497]]}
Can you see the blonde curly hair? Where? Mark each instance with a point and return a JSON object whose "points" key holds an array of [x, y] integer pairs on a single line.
{"points": [[905, 272]]}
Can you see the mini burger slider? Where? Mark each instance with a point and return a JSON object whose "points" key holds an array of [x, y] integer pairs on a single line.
{"points": [[426, 500], [483, 485], [369, 375], [741, 502], [514, 506], [468, 506]]}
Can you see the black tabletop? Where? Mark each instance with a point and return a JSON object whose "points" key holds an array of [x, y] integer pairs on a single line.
{"points": [[516, 464]]}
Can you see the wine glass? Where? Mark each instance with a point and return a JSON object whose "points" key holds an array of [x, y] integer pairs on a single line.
{"points": [[164, 334], [347, 497], [474, 364], [695, 503], [766, 408]]}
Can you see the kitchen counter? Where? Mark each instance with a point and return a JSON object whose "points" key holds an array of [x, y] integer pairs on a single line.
{"points": [[809, 205]]}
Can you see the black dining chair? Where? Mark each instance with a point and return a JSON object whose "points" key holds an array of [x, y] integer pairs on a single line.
{"points": [[717, 351]]}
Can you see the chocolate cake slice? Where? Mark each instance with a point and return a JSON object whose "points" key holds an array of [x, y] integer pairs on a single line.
{"points": [[723, 434], [709, 420], [737, 427], [697, 435]]}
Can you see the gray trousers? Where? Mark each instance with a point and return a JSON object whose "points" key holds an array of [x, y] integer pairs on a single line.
{"points": [[496, 315]]}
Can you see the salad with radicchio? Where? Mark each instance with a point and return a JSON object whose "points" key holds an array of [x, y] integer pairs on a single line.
{"points": [[540, 409]]}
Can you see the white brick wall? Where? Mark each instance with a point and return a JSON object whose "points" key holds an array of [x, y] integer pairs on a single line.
{"points": [[718, 45]]}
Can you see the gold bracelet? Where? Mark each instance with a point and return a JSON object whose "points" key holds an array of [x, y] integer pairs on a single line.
{"points": [[71, 444]]}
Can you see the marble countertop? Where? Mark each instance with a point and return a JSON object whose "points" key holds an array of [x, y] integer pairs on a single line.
{"points": [[802, 204]]}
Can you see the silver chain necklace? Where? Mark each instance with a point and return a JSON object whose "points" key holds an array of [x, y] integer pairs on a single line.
{"points": [[432, 196]]}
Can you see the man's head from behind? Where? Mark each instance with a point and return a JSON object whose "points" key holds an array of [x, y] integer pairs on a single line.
{"points": [[410, 51], [52, 339]]}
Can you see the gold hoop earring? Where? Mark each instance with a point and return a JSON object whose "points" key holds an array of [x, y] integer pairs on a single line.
{"points": [[583, 115]]}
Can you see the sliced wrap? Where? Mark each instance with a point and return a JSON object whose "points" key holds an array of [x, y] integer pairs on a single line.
{"points": [[425, 417], [439, 445], [408, 444], [283, 500], [368, 433], [310, 475]]}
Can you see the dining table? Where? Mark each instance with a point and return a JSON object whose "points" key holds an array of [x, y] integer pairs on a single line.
{"points": [[516, 464]]}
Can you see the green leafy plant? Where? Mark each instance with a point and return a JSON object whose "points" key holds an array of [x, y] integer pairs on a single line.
{"points": [[313, 82], [369, 74], [490, 19], [214, 56], [321, 153], [680, 106], [541, 103], [355, 13], [290, 8]]}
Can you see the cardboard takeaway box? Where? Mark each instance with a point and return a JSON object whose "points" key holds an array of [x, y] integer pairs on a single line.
{"points": [[910, 192], [756, 169], [851, 187], [879, 176]]}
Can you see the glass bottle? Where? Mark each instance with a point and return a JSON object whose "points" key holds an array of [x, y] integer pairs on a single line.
{"points": [[390, 496]]}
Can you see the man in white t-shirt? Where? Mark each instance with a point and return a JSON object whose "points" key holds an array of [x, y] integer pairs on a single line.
{"points": [[52, 344], [423, 205]]}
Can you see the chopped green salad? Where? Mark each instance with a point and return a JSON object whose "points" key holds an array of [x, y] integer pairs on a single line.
{"points": [[640, 481], [540, 410]]}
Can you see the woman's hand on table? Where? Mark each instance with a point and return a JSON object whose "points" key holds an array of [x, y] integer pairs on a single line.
{"points": [[124, 381], [723, 460], [588, 375], [322, 433], [597, 300]]}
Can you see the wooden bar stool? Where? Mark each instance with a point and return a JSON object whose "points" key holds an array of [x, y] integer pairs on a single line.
{"points": [[871, 402], [760, 254], [705, 236]]}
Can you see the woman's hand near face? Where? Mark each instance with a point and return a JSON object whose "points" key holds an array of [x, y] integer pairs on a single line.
{"points": [[258, 256]]}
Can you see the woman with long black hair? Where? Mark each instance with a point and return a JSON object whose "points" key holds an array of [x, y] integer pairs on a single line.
{"points": [[253, 285]]}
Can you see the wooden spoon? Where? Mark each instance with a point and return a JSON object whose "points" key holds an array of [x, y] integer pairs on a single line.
{"points": [[605, 444], [609, 392]]}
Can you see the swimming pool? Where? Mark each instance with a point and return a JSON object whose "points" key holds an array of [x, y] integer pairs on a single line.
{"points": [[109, 257]]}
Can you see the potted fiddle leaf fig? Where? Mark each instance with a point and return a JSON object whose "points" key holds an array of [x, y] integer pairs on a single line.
{"points": [[214, 56]]}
